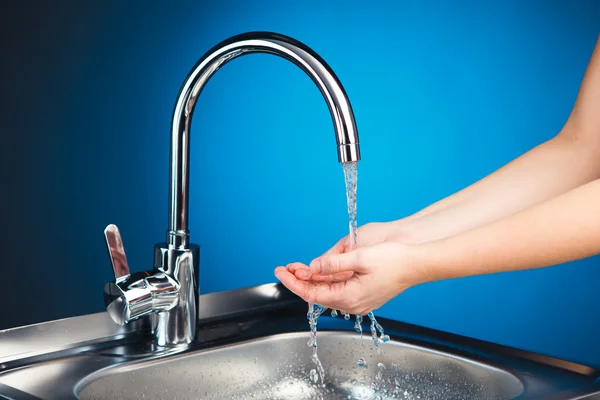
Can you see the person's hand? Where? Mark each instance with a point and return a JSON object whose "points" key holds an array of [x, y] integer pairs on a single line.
{"points": [[374, 233], [358, 281], [367, 235]]}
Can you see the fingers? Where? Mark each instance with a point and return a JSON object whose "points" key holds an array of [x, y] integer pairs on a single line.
{"points": [[339, 277], [336, 263], [297, 266], [299, 270], [298, 287], [319, 293], [302, 271], [304, 274], [338, 248]]}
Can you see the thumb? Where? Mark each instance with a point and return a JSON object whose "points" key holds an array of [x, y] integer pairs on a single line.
{"points": [[338, 248], [336, 263]]}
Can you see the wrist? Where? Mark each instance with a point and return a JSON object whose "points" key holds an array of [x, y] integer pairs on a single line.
{"points": [[410, 230], [424, 262]]}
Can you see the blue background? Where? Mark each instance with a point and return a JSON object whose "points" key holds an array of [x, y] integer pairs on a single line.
{"points": [[444, 93]]}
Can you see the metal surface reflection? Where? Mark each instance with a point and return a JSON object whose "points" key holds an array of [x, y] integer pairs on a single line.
{"points": [[170, 290]]}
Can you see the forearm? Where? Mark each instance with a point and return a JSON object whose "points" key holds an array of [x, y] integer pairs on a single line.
{"points": [[568, 160], [546, 171], [562, 229]]}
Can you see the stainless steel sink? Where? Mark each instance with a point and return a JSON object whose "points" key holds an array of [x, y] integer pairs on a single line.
{"points": [[277, 367], [253, 345]]}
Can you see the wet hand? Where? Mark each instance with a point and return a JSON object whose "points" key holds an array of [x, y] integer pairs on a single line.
{"points": [[357, 281], [371, 234], [368, 235]]}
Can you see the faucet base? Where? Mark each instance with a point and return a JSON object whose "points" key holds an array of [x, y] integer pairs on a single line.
{"points": [[178, 325]]}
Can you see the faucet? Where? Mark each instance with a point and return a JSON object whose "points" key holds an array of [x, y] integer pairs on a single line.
{"points": [[170, 291]]}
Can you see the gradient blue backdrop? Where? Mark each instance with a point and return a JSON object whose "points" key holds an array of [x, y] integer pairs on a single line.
{"points": [[444, 93]]}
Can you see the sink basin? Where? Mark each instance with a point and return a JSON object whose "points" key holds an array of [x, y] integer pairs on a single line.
{"points": [[277, 367], [252, 344]]}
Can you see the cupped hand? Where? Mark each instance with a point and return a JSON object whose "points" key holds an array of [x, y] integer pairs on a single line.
{"points": [[357, 281], [367, 235], [373, 233]]}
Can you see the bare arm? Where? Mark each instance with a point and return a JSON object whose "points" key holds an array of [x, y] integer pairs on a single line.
{"points": [[542, 209], [570, 159], [559, 230]]}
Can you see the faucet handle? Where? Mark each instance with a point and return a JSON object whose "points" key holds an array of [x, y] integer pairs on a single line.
{"points": [[117, 253], [132, 296]]}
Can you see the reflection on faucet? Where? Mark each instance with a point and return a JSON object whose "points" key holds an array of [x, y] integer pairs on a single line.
{"points": [[176, 262], [116, 252], [134, 296]]}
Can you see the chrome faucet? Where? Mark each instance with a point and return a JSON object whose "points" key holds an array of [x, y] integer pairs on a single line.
{"points": [[170, 291]]}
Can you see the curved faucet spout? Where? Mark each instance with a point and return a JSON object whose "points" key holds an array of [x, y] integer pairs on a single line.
{"points": [[169, 293], [254, 42]]}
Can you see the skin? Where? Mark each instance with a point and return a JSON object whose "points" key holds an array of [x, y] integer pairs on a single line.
{"points": [[539, 210]]}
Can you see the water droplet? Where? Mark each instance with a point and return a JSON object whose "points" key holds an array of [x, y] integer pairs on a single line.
{"points": [[314, 312], [381, 365], [346, 316], [314, 376], [334, 313], [384, 338], [361, 362]]}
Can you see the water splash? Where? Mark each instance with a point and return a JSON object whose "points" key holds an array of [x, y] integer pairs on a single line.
{"points": [[314, 376], [351, 179], [358, 328], [314, 312], [358, 324], [375, 329]]}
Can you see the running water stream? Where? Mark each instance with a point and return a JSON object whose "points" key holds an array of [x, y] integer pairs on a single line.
{"points": [[315, 310]]}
